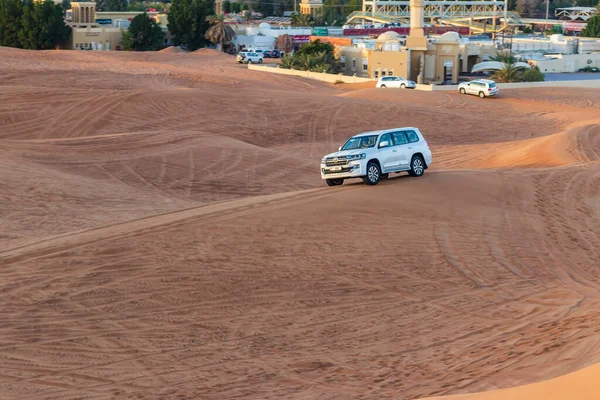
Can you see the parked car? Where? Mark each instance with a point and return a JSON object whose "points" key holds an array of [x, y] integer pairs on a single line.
{"points": [[395, 82], [253, 58], [479, 87], [374, 155], [241, 57], [274, 54]]}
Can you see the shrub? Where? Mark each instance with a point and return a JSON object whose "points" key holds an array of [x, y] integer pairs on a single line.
{"points": [[534, 75]]}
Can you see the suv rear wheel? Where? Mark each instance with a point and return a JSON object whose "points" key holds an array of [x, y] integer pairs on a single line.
{"points": [[334, 182], [373, 174], [417, 166], [382, 86], [482, 95]]}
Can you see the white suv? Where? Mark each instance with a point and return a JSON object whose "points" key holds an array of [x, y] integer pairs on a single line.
{"points": [[395, 82], [253, 58], [480, 87], [373, 155]]}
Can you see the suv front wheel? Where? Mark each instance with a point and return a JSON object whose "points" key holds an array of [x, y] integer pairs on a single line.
{"points": [[334, 182], [373, 174], [417, 166]]}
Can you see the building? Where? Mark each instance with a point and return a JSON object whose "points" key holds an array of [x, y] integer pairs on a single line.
{"points": [[103, 30], [218, 7], [423, 59], [311, 7], [263, 36], [562, 63]]}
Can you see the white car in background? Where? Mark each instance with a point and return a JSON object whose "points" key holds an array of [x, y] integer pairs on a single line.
{"points": [[253, 58], [373, 155], [395, 82], [479, 87]]}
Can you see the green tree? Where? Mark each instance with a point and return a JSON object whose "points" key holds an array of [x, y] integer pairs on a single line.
{"points": [[117, 5], [66, 5], [287, 62], [126, 40], [245, 7], [144, 34], [504, 58], [43, 26], [101, 5], [592, 29], [11, 13], [219, 32], [236, 8], [508, 74], [265, 7], [187, 22], [227, 6], [534, 75], [302, 20], [317, 47]]}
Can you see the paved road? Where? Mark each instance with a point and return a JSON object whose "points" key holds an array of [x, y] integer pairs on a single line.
{"points": [[582, 76]]}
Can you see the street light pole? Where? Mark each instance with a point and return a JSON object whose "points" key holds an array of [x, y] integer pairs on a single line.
{"points": [[547, 12]]}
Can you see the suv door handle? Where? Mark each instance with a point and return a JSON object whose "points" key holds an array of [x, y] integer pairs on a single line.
{"points": [[410, 147], [395, 150]]}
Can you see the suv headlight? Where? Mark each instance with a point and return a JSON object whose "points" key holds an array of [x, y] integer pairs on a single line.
{"points": [[361, 156]]}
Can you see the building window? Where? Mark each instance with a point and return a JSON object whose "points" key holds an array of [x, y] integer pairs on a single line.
{"points": [[390, 72], [365, 63], [343, 62], [365, 67], [353, 64], [376, 73]]}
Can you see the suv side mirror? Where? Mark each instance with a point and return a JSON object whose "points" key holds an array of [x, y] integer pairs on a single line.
{"points": [[383, 144], [340, 148]]}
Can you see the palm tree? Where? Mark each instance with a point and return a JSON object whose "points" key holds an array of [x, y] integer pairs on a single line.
{"points": [[508, 74], [504, 58], [302, 20], [287, 62], [306, 62], [219, 32]]}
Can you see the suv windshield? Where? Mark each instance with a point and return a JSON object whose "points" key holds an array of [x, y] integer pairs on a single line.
{"points": [[361, 142]]}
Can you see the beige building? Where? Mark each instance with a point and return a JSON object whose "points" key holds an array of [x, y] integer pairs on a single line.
{"points": [[311, 7], [102, 30], [560, 63], [426, 60], [435, 62]]}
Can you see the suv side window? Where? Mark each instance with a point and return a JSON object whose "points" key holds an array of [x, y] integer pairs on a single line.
{"points": [[412, 136], [385, 79], [386, 138], [399, 138]]}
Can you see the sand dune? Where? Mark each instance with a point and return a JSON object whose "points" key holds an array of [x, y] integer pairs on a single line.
{"points": [[165, 234], [579, 385]]}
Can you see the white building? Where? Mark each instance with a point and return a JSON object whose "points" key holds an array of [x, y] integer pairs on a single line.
{"points": [[263, 36]]}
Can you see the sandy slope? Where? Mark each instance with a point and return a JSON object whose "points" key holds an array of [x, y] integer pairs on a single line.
{"points": [[165, 234], [583, 385]]}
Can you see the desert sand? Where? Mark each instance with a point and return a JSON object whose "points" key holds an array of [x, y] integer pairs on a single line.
{"points": [[165, 234]]}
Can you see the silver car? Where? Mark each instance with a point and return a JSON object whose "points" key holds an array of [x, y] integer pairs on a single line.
{"points": [[395, 82], [480, 87]]}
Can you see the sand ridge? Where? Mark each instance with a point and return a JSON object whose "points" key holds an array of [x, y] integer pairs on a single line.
{"points": [[165, 234]]}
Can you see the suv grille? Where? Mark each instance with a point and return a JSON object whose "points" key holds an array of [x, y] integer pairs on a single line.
{"points": [[336, 161]]}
